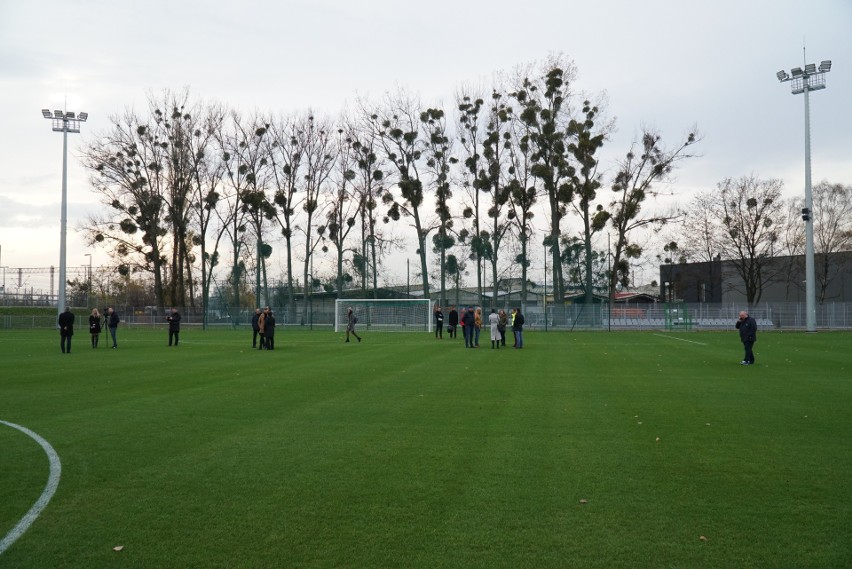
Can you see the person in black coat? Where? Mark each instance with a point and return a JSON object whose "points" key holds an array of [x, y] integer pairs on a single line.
{"points": [[439, 322], [518, 329], [468, 320], [112, 324], [453, 322], [95, 326], [269, 330], [748, 336], [255, 327], [66, 330], [174, 326]]}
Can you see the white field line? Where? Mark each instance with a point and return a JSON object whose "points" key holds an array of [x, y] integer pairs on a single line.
{"points": [[49, 489], [681, 339]]}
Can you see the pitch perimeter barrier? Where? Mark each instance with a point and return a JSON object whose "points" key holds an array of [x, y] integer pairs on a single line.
{"points": [[597, 317]]}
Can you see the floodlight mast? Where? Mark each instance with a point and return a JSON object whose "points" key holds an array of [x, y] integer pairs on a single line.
{"points": [[804, 81], [64, 122]]}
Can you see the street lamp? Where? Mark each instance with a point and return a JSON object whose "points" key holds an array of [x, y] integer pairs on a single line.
{"points": [[64, 122], [89, 281], [804, 81]]}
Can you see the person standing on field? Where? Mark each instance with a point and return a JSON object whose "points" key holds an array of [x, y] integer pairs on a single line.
{"points": [[494, 322], [112, 324], [174, 326], [350, 324], [255, 327], [748, 336], [261, 328], [269, 329], [477, 325], [518, 328], [453, 322], [66, 330], [439, 323], [503, 323], [467, 322], [95, 327]]}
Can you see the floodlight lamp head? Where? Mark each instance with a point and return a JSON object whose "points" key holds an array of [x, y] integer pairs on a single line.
{"points": [[46, 113], [810, 68], [825, 65], [796, 71], [58, 114], [782, 75], [82, 116], [69, 115]]}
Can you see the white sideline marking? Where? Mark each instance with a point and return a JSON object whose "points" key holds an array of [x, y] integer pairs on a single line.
{"points": [[49, 489], [681, 339]]}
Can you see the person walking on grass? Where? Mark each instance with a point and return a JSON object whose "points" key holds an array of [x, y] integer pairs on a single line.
{"points": [[66, 330], [174, 326], [518, 328], [439, 323], [352, 320], [494, 322], [748, 336], [95, 326], [255, 327], [453, 322], [112, 324]]}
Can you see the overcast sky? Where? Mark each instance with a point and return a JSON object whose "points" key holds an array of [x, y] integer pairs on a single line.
{"points": [[667, 64]]}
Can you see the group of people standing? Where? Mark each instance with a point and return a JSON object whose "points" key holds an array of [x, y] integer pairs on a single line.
{"points": [[263, 326], [66, 327], [470, 320]]}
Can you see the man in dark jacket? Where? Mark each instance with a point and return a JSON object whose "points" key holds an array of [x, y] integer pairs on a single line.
{"points": [[174, 326], [112, 324], [269, 330], [66, 330], [453, 322], [255, 327], [468, 320], [518, 329], [748, 336]]}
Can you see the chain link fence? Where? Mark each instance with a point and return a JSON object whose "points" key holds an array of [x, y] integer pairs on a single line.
{"points": [[319, 314]]}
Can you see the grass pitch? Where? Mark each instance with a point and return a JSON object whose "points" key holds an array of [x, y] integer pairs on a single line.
{"points": [[592, 450]]}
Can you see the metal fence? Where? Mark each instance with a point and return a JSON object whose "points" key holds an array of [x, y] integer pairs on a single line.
{"points": [[319, 314]]}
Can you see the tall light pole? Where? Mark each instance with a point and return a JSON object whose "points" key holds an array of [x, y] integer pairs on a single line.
{"points": [[64, 122], [89, 281], [804, 81]]}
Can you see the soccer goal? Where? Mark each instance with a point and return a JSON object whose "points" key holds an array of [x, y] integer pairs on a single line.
{"points": [[388, 315]]}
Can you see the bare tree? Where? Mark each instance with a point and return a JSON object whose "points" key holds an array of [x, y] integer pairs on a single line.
{"points": [[544, 104], [285, 156], [343, 206], [636, 180], [438, 162], [751, 212], [400, 138], [317, 145], [129, 169], [370, 186]]}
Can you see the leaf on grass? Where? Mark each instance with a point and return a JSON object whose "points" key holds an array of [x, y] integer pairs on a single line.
{"points": [[584, 501], [118, 548], [702, 538], [658, 439]]}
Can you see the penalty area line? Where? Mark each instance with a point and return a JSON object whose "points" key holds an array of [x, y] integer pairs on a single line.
{"points": [[681, 339], [49, 489]]}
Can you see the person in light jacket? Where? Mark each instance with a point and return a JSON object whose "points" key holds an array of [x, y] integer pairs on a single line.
{"points": [[494, 322]]}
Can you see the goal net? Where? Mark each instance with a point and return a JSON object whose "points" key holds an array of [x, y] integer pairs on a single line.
{"points": [[391, 315]]}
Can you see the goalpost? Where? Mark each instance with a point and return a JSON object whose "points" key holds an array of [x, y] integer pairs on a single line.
{"points": [[386, 315]]}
